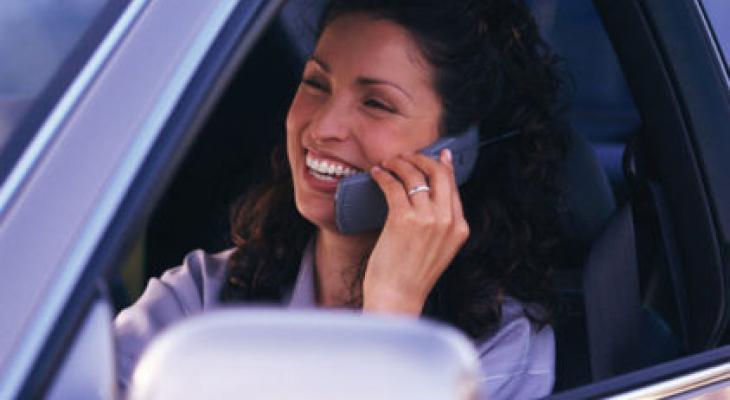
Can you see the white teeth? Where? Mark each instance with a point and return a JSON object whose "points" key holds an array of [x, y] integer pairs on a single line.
{"points": [[323, 177], [324, 169]]}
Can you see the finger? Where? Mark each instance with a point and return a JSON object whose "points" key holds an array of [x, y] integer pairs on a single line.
{"points": [[460, 226], [440, 177], [448, 160], [457, 207], [451, 214], [395, 196], [411, 177]]}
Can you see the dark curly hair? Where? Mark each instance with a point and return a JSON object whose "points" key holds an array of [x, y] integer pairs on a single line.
{"points": [[491, 68]]}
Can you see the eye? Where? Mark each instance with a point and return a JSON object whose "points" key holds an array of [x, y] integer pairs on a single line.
{"points": [[315, 84], [378, 105]]}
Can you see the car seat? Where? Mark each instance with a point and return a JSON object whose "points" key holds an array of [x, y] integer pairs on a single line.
{"points": [[622, 333]]}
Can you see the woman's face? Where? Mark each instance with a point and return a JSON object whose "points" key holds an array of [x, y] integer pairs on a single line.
{"points": [[367, 94]]}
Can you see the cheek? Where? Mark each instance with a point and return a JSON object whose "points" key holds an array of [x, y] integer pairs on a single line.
{"points": [[302, 108], [293, 117], [376, 153], [295, 121], [301, 113], [390, 141]]}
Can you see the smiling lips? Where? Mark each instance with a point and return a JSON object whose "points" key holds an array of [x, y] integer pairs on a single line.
{"points": [[328, 170]]}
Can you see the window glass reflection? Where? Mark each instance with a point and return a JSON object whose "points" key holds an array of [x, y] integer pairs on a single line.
{"points": [[36, 37]]}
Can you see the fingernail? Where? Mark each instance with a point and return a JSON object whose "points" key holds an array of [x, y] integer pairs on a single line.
{"points": [[447, 155], [375, 169]]}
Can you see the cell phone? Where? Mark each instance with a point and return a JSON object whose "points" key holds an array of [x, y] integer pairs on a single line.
{"points": [[360, 204]]}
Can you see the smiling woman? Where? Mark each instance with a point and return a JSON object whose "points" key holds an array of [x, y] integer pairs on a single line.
{"points": [[386, 79], [366, 96]]}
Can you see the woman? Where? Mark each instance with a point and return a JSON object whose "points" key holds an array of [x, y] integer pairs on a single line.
{"points": [[387, 78]]}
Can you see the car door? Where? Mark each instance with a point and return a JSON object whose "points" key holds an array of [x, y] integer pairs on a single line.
{"points": [[92, 163], [113, 137]]}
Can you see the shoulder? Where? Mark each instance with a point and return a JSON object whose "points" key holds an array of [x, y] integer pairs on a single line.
{"points": [[197, 281], [181, 291], [518, 359]]}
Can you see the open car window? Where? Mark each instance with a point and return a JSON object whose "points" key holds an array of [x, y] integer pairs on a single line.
{"points": [[604, 113]]}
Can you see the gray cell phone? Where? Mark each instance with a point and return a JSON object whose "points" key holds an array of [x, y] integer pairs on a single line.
{"points": [[360, 204]]}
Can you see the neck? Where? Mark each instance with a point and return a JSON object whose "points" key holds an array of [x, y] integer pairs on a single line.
{"points": [[337, 258]]}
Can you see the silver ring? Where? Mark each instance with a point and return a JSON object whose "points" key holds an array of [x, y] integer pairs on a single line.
{"points": [[419, 188]]}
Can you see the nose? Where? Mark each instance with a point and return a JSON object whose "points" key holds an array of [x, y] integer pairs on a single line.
{"points": [[331, 123]]}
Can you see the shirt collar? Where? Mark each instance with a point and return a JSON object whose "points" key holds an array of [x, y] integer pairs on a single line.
{"points": [[303, 295]]}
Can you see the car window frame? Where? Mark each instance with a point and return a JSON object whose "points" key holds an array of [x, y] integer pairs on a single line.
{"points": [[26, 130], [236, 38], [628, 384], [722, 57]]}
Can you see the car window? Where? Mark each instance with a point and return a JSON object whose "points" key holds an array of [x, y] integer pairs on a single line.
{"points": [[43, 43], [718, 14]]}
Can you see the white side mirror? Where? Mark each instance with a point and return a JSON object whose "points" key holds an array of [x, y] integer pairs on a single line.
{"points": [[279, 354]]}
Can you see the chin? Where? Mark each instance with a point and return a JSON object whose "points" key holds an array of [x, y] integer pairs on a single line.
{"points": [[320, 212]]}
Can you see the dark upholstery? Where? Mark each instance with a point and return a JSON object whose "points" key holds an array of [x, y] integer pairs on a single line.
{"points": [[588, 205], [602, 109], [588, 199], [603, 117]]}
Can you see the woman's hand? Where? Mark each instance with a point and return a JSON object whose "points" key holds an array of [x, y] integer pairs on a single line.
{"points": [[422, 233]]}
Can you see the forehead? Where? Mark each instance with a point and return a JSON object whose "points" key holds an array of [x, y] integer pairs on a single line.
{"points": [[368, 46]]}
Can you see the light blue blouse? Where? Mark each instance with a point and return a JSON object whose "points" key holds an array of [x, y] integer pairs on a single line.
{"points": [[517, 361]]}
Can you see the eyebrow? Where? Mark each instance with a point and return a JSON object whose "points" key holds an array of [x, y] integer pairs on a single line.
{"points": [[361, 80], [373, 81], [321, 63]]}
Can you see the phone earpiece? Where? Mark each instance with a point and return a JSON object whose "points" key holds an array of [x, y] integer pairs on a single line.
{"points": [[360, 204]]}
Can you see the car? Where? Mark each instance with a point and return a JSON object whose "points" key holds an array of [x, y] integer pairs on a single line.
{"points": [[127, 150]]}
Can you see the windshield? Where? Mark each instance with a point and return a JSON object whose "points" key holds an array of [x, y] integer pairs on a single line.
{"points": [[43, 45]]}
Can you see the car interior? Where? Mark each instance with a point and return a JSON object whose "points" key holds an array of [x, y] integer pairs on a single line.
{"points": [[623, 305]]}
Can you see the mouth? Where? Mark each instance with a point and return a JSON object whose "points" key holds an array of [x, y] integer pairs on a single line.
{"points": [[328, 170]]}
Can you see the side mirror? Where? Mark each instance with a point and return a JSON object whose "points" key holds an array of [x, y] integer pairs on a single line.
{"points": [[279, 354]]}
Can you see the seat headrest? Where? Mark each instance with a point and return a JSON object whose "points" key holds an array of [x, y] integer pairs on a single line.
{"points": [[588, 201]]}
